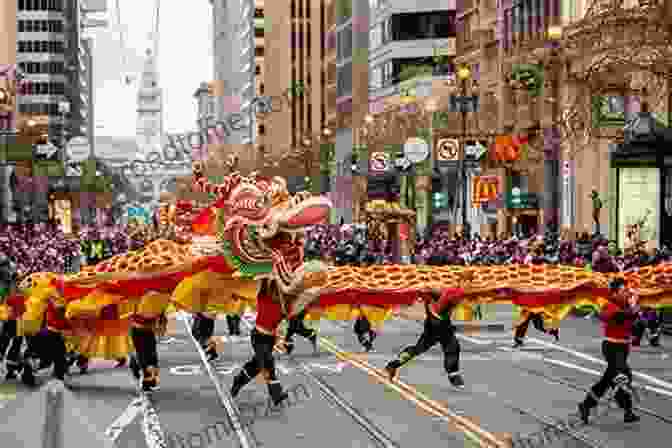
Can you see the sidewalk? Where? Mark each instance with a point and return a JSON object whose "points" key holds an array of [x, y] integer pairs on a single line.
{"points": [[495, 318]]}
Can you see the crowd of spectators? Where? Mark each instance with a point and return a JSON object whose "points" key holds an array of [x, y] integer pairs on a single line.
{"points": [[349, 245]]}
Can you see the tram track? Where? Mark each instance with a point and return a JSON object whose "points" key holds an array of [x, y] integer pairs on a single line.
{"points": [[233, 415], [471, 430], [549, 424], [377, 435]]}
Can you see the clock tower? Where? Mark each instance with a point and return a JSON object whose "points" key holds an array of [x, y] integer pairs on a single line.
{"points": [[149, 129]]}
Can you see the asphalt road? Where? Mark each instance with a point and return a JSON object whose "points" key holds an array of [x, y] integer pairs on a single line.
{"points": [[507, 392]]}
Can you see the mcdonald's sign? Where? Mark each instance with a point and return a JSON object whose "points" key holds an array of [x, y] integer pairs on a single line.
{"points": [[485, 189]]}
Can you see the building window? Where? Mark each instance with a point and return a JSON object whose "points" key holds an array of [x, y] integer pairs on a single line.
{"points": [[261, 89], [258, 13], [257, 69], [344, 44], [344, 80], [262, 129], [259, 51], [423, 25], [376, 36], [258, 32]]}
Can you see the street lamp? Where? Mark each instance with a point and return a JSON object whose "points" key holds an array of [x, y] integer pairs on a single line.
{"points": [[552, 147], [463, 74]]}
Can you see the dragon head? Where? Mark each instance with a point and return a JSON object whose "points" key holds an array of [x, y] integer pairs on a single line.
{"points": [[263, 226]]}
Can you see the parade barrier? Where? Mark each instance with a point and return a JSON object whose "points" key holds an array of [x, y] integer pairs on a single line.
{"points": [[63, 422]]}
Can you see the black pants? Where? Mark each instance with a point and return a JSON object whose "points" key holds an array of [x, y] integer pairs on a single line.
{"points": [[8, 338], [262, 344], [203, 328], [296, 325], [436, 331], [641, 325], [618, 375], [537, 320], [53, 344], [144, 341]]}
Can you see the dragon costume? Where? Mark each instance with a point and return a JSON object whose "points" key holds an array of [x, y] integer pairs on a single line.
{"points": [[259, 235]]}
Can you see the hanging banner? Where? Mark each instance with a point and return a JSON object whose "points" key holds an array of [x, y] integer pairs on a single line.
{"points": [[509, 148], [403, 231], [486, 189]]}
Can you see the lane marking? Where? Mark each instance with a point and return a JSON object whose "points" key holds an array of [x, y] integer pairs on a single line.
{"points": [[477, 341], [637, 374], [572, 366], [126, 418]]}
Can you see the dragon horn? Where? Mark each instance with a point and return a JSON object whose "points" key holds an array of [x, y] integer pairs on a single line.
{"points": [[221, 191]]}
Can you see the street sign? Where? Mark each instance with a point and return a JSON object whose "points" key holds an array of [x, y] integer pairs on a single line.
{"points": [[416, 150], [78, 149], [46, 151], [448, 149], [475, 149]]}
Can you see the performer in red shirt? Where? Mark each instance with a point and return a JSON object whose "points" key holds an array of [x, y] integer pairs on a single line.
{"points": [[270, 313], [9, 337], [618, 316], [438, 329]]}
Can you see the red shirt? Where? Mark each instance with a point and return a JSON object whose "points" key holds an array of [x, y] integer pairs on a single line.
{"points": [[269, 314], [56, 318], [17, 305], [614, 329], [449, 298]]}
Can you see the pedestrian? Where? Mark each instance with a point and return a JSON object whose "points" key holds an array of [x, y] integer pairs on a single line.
{"points": [[233, 322], [365, 333], [297, 325], [648, 319], [478, 311], [270, 312], [144, 364], [203, 328], [537, 320], [438, 329], [618, 315]]}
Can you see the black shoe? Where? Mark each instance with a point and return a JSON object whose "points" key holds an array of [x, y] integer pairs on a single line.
{"points": [[368, 346], [655, 341], [135, 368], [630, 417], [150, 380], [457, 381], [517, 343], [239, 381], [289, 347], [584, 413], [28, 378], [392, 370], [313, 341], [212, 354], [150, 386], [555, 333], [276, 393], [11, 375], [121, 362]]}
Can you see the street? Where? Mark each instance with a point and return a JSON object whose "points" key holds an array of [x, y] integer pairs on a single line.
{"points": [[507, 392]]}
